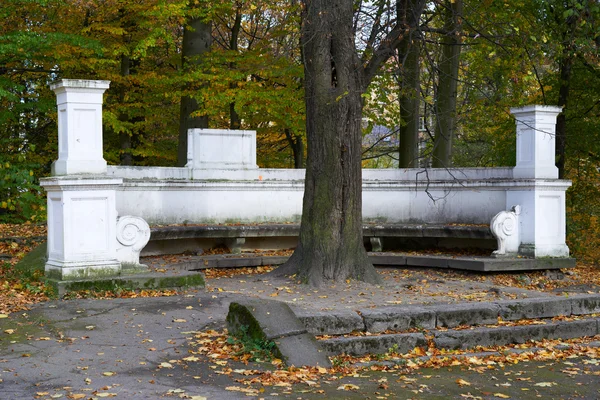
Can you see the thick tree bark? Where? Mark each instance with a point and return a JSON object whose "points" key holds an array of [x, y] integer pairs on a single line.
{"points": [[330, 245], [445, 108], [409, 14], [197, 38], [409, 104]]}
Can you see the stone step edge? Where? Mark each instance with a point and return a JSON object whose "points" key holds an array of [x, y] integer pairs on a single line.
{"points": [[469, 354], [462, 339], [402, 318]]}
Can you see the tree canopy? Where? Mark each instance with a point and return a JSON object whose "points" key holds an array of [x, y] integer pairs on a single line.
{"points": [[494, 55]]}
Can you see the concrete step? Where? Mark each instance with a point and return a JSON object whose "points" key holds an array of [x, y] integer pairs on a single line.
{"points": [[371, 328], [483, 264], [461, 339]]}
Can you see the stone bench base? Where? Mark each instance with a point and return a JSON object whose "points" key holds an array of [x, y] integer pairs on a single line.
{"points": [[377, 237]]}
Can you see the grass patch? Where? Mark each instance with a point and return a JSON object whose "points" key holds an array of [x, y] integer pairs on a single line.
{"points": [[258, 350]]}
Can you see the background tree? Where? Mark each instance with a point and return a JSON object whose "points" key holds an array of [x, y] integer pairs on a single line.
{"points": [[196, 42], [409, 57], [446, 94]]}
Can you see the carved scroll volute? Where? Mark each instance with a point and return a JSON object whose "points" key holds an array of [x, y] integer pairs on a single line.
{"points": [[133, 233], [505, 228]]}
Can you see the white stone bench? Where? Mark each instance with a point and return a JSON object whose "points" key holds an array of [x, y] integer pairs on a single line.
{"points": [[222, 184]]}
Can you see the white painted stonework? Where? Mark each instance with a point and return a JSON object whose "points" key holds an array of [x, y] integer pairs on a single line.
{"points": [[536, 141], [211, 151], [505, 228], [221, 183], [133, 233], [79, 127], [81, 226]]}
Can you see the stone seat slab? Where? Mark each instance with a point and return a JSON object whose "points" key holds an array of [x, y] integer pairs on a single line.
{"points": [[275, 230]]}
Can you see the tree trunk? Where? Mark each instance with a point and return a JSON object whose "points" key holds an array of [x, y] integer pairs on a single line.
{"points": [[235, 122], [297, 146], [409, 103], [330, 244], [445, 108], [125, 157], [566, 69], [197, 38], [566, 65]]}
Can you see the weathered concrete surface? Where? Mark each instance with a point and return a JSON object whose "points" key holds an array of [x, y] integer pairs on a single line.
{"points": [[360, 345], [66, 347], [269, 320], [585, 304], [397, 318], [146, 280], [465, 339], [453, 315], [534, 308], [331, 323]]}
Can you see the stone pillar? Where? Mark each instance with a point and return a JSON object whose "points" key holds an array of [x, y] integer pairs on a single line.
{"points": [[79, 127], [542, 222], [536, 141], [82, 218]]}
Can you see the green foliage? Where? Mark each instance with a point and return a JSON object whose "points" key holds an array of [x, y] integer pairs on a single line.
{"points": [[20, 196], [259, 350]]}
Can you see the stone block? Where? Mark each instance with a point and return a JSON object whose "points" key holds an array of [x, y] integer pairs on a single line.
{"points": [[301, 350], [268, 320], [387, 259], [486, 337], [453, 315], [361, 345], [265, 319], [331, 323], [397, 318], [585, 304], [534, 308]]}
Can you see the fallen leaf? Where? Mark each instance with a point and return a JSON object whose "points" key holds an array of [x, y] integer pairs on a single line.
{"points": [[108, 373], [462, 382], [501, 395], [348, 386], [545, 384]]}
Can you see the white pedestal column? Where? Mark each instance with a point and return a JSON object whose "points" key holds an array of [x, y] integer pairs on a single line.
{"points": [[82, 218], [536, 134], [538, 191], [79, 127]]}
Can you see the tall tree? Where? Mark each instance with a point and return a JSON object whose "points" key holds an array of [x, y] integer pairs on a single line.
{"points": [[330, 245], [445, 105], [197, 39], [410, 96]]}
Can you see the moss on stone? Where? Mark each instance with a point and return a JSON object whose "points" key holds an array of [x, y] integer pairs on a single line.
{"points": [[127, 283]]}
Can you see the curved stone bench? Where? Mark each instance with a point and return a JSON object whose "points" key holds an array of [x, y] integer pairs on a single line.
{"points": [[192, 238]]}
